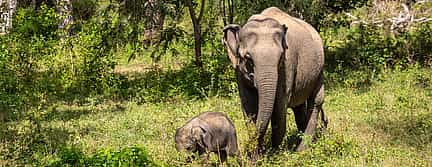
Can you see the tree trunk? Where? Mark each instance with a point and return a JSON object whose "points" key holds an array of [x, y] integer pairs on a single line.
{"points": [[156, 22], [7, 9], [38, 3], [197, 30], [197, 34], [227, 18], [231, 11], [66, 22], [222, 11]]}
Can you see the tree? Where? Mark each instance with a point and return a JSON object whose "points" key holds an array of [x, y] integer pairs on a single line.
{"points": [[65, 9], [7, 9], [38, 3], [196, 20], [227, 14], [151, 14]]}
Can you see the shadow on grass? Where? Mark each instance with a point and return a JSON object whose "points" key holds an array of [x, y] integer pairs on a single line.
{"points": [[189, 82], [27, 144], [410, 131], [66, 113], [130, 156], [46, 88], [291, 141], [29, 139], [294, 137], [346, 65]]}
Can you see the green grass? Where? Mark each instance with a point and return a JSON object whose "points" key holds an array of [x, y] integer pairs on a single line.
{"points": [[387, 122]]}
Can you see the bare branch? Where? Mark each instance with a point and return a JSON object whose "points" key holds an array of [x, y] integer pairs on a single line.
{"points": [[422, 20], [402, 22], [356, 19]]}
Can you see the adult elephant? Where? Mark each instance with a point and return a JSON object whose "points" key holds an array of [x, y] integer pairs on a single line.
{"points": [[279, 62]]}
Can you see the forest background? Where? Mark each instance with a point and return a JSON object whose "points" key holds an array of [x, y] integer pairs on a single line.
{"points": [[98, 82]]}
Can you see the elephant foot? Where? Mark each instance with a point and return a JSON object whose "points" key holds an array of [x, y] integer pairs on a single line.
{"points": [[305, 141], [324, 119], [301, 147], [254, 156]]}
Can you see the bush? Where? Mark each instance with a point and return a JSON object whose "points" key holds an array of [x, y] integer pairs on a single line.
{"points": [[32, 39], [374, 49], [31, 23], [38, 67], [131, 156], [83, 9], [190, 82]]}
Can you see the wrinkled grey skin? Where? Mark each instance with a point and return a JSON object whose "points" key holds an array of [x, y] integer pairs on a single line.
{"points": [[279, 62], [208, 132]]}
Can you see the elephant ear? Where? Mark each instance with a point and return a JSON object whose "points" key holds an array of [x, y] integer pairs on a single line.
{"points": [[231, 42], [197, 134], [291, 62]]}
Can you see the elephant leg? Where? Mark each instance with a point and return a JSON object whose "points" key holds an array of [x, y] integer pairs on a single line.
{"points": [[324, 118], [222, 156], [278, 122], [205, 158], [249, 106], [249, 101], [314, 106], [300, 117]]}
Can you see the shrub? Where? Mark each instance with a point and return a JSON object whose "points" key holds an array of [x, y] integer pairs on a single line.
{"points": [[131, 156], [83, 9], [372, 48], [31, 23], [31, 40]]}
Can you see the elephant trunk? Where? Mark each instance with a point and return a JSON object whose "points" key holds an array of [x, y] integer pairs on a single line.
{"points": [[267, 84]]}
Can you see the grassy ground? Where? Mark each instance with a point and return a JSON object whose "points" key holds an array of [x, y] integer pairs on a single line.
{"points": [[384, 122]]}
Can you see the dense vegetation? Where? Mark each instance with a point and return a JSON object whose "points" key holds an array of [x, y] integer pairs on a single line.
{"points": [[111, 87]]}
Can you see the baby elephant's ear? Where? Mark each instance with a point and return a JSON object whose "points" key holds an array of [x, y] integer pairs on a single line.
{"points": [[197, 133], [200, 136]]}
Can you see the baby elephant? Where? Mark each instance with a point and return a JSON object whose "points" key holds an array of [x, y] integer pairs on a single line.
{"points": [[208, 132]]}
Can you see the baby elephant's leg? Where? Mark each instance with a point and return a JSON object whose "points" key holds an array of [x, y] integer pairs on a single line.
{"points": [[222, 156], [204, 157], [239, 159]]}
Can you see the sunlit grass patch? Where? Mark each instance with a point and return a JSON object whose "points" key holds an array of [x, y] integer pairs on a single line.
{"points": [[387, 123]]}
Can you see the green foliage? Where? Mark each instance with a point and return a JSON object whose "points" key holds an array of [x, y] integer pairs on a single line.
{"points": [[244, 9], [39, 67], [31, 23], [9, 83], [418, 42], [60, 92], [131, 156], [386, 122], [328, 148], [95, 59], [318, 13], [190, 82], [30, 41], [83, 9], [28, 140], [344, 5], [374, 49]]}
